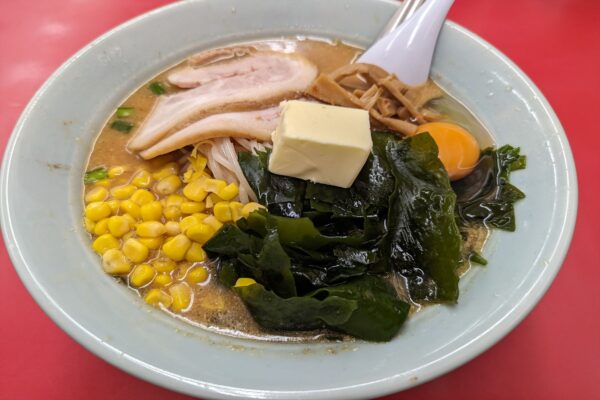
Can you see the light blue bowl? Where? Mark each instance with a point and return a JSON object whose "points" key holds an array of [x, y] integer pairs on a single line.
{"points": [[42, 207]]}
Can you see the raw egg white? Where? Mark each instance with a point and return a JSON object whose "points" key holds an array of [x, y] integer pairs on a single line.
{"points": [[458, 149]]}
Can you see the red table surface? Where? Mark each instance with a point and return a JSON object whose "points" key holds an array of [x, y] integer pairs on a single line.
{"points": [[553, 354]]}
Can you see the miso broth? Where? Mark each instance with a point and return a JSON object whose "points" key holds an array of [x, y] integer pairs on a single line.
{"points": [[214, 306]]}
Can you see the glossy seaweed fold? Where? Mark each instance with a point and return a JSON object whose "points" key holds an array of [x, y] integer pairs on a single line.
{"points": [[322, 252], [322, 256]]}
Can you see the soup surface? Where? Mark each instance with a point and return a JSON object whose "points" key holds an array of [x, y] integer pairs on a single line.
{"points": [[213, 306]]}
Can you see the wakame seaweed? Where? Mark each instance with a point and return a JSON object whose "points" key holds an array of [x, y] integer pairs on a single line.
{"points": [[485, 196], [361, 305], [292, 245], [423, 241], [368, 195], [282, 195], [367, 308], [403, 184], [321, 255]]}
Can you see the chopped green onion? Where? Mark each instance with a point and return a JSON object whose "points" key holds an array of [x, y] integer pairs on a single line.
{"points": [[477, 258], [123, 112], [121, 126], [95, 175], [157, 88]]}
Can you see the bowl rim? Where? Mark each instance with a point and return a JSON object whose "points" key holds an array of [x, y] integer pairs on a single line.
{"points": [[375, 388]]}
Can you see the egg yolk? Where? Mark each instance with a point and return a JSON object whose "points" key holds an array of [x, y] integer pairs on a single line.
{"points": [[458, 149]]}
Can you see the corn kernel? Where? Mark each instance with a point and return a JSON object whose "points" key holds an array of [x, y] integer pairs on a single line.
{"points": [[157, 296], [244, 282], [172, 228], [213, 222], [229, 192], [104, 243], [198, 162], [182, 296], [101, 227], [168, 185], [199, 175], [175, 200], [250, 207], [142, 196], [142, 179], [104, 182], [114, 262], [194, 190], [118, 225], [176, 248], [213, 185], [195, 253], [141, 275], [135, 250], [169, 169], [98, 193], [150, 229], [197, 275], [129, 207], [188, 175], [122, 192], [97, 210], [128, 235], [236, 210], [213, 199], [132, 221], [202, 175], [116, 171], [152, 243], [151, 211], [164, 265], [163, 279], [200, 216], [192, 207], [88, 224], [188, 222], [222, 211], [192, 174], [200, 233], [172, 212], [114, 205]]}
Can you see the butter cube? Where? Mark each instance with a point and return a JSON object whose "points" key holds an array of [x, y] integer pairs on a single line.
{"points": [[321, 143]]}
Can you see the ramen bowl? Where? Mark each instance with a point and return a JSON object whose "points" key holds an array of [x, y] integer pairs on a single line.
{"points": [[42, 206]]}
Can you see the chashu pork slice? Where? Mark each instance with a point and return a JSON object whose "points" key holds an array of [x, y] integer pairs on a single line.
{"points": [[244, 124], [229, 63], [272, 78]]}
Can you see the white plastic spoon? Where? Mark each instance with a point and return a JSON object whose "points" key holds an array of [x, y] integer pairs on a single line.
{"points": [[407, 51]]}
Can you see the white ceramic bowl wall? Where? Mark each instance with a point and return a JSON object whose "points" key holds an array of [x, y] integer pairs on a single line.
{"points": [[42, 207]]}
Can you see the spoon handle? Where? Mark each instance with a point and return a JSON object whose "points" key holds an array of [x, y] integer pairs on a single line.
{"points": [[407, 51], [404, 12]]}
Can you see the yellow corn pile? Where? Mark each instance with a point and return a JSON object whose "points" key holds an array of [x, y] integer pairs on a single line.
{"points": [[149, 226]]}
